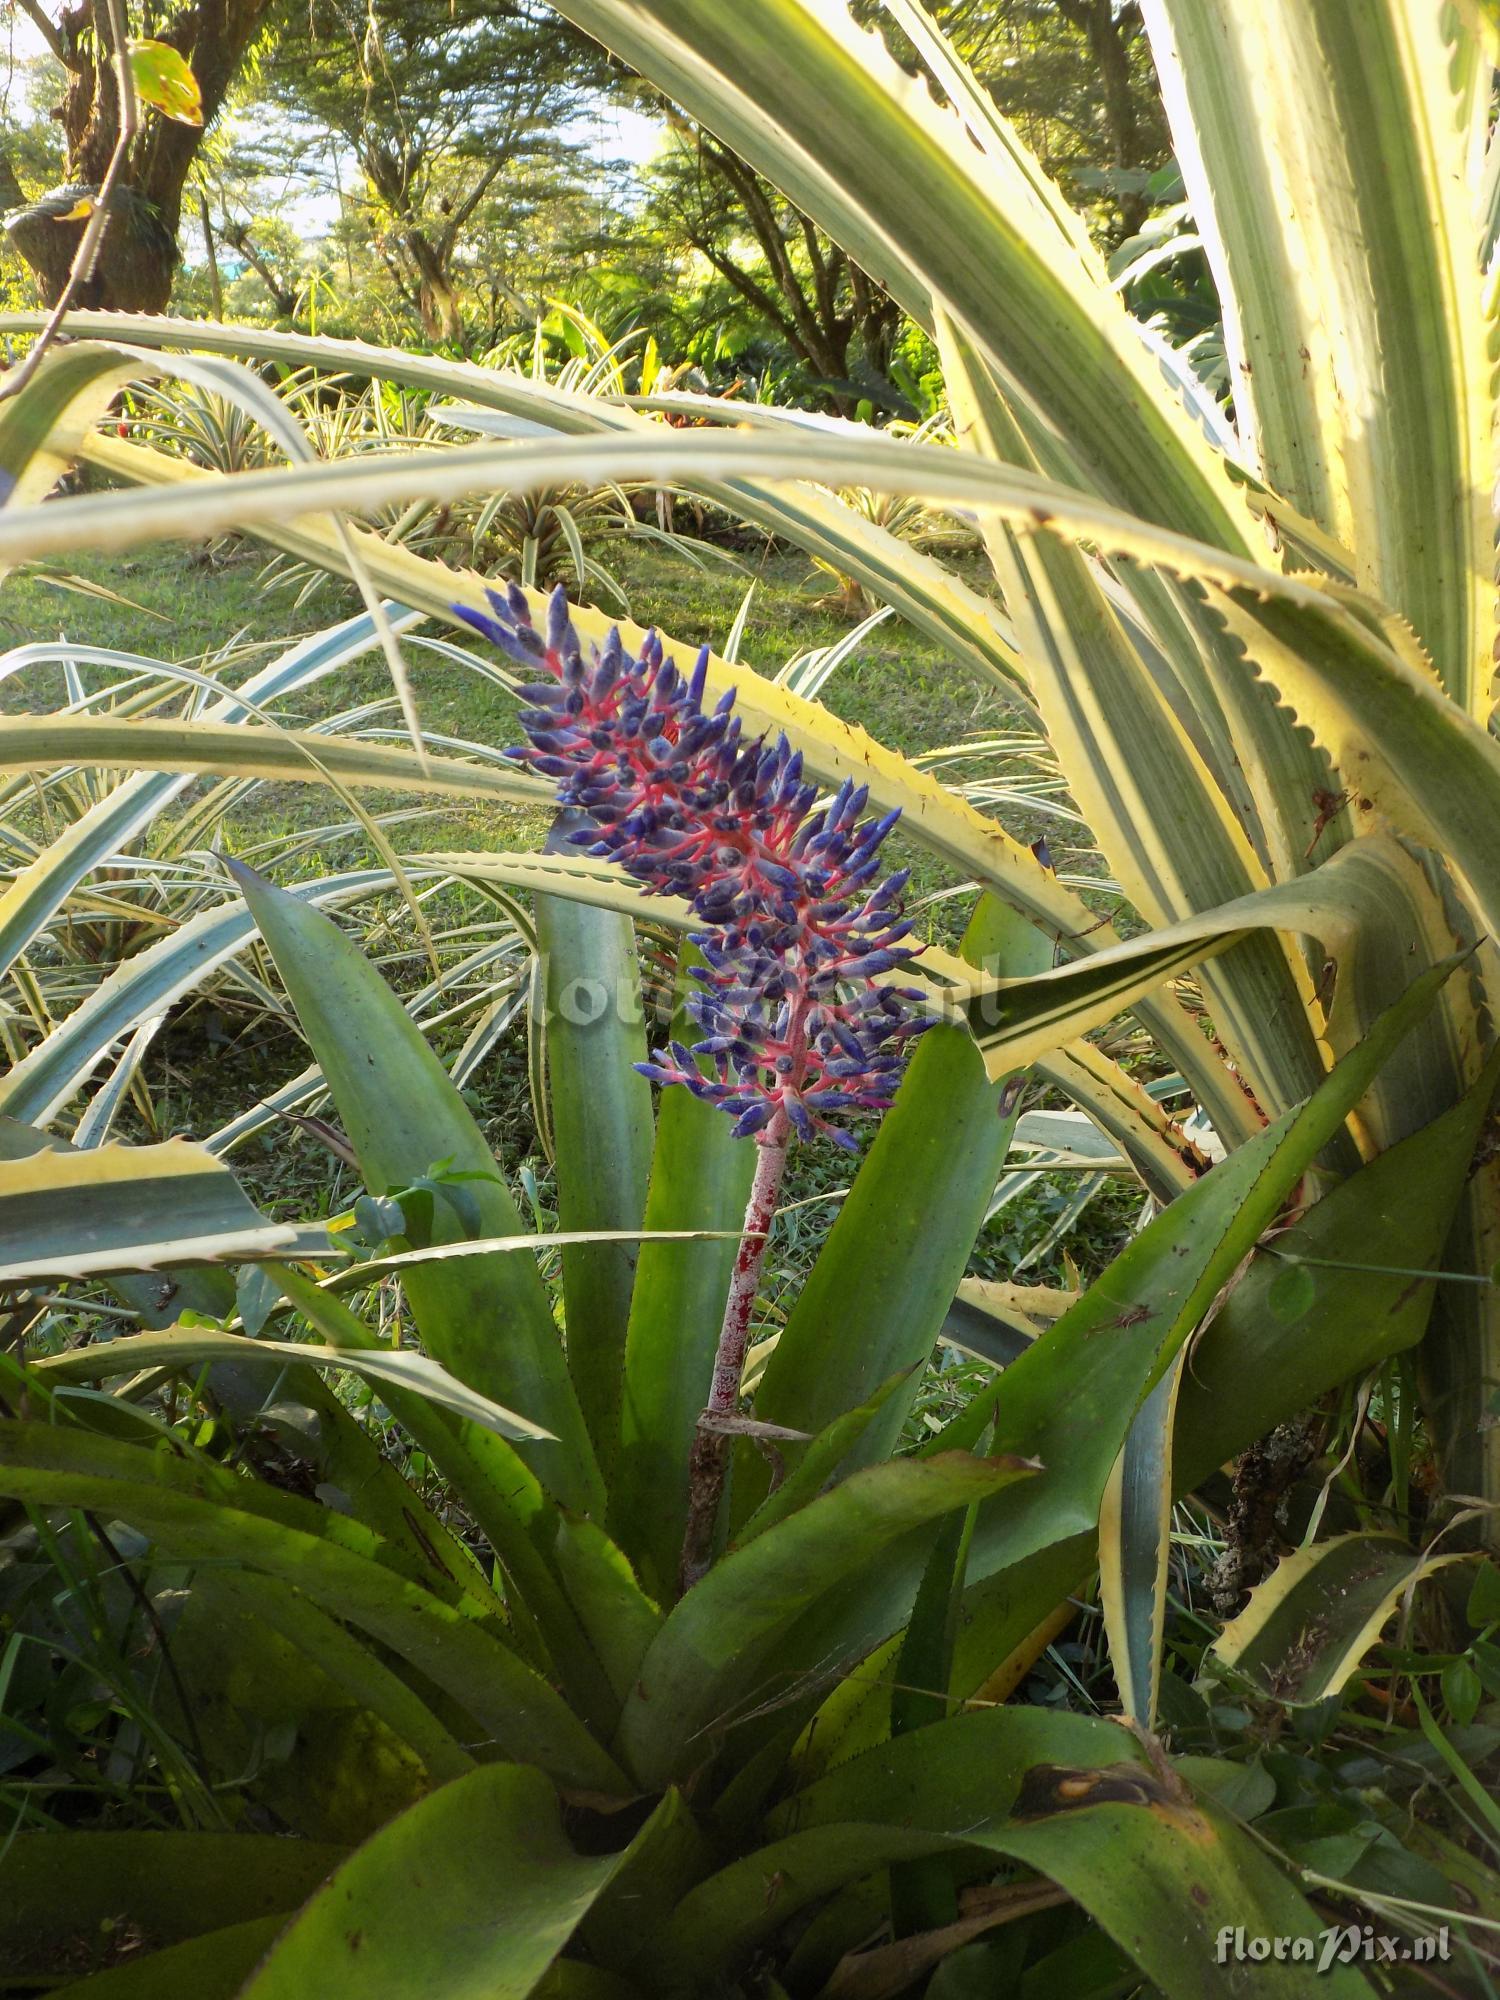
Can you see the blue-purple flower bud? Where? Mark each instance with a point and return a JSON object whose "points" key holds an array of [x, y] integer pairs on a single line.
{"points": [[679, 799]]}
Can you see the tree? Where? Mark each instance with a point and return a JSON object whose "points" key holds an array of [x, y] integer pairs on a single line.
{"points": [[253, 184], [832, 317], [30, 158], [1076, 77], [138, 252], [444, 104]]}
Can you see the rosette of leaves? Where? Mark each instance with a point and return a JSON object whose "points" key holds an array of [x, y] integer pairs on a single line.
{"points": [[1260, 640], [503, 1704]]}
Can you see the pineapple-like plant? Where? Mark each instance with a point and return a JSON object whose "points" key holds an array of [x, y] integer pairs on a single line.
{"points": [[1258, 635]]}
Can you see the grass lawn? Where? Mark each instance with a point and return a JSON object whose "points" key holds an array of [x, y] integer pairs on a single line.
{"points": [[216, 610], [189, 604]]}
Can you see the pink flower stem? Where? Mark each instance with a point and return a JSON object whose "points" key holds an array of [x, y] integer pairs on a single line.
{"points": [[709, 1460]]}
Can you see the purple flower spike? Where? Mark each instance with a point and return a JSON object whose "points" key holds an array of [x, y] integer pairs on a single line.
{"points": [[794, 1027]]}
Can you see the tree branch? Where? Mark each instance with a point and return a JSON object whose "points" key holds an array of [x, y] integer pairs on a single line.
{"points": [[284, 301], [93, 230], [811, 341], [826, 272], [467, 207], [403, 290], [47, 29], [753, 294], [215, 282]]}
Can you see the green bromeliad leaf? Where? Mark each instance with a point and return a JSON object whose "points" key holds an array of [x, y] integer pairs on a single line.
{"points": [[594, 1035], [1250, 1370], [1073, 1796], [946, 222], [1166, 828], [819, 1461], [1070, 1398], [200, 1512], [1135, 1522], [875, 1300], [40, 430], [714, 1647], [211, 1967], [255, 1660], [1332, 196], [1067, 1401], [1252, 1364], [179, 1347], [700, 1174], [63, 1890], [486, 1317], [1306, 1630], [499, 1490], [70, 1214], [144, 743], [474, 1892], [929, 595]]}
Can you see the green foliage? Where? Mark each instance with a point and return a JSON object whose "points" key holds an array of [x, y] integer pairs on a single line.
{"points": [[816, 1744], [664, 1692], [455, 116]]}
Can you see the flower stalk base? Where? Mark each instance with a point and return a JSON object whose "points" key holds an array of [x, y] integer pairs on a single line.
{"points": [[709, 1461]]}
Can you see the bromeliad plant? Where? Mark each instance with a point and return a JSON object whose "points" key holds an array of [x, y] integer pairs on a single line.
{"points": [[1259, 639], [795, 1027], [328, 1648], [332, 1648]]}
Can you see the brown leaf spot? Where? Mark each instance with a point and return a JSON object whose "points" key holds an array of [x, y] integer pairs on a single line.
{"points": [[1055, 1788]]}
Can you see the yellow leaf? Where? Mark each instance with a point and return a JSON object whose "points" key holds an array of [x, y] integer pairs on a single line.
{"points": [[164, 80]]}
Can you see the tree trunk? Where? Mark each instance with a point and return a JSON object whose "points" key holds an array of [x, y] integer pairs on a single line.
{"points": [[215, 282], [390, 174], [877, 319], [437, 301], [138, 252], [1108, 36]]}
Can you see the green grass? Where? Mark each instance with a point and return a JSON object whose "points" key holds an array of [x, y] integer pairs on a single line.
{"points": [[180, 601]]}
